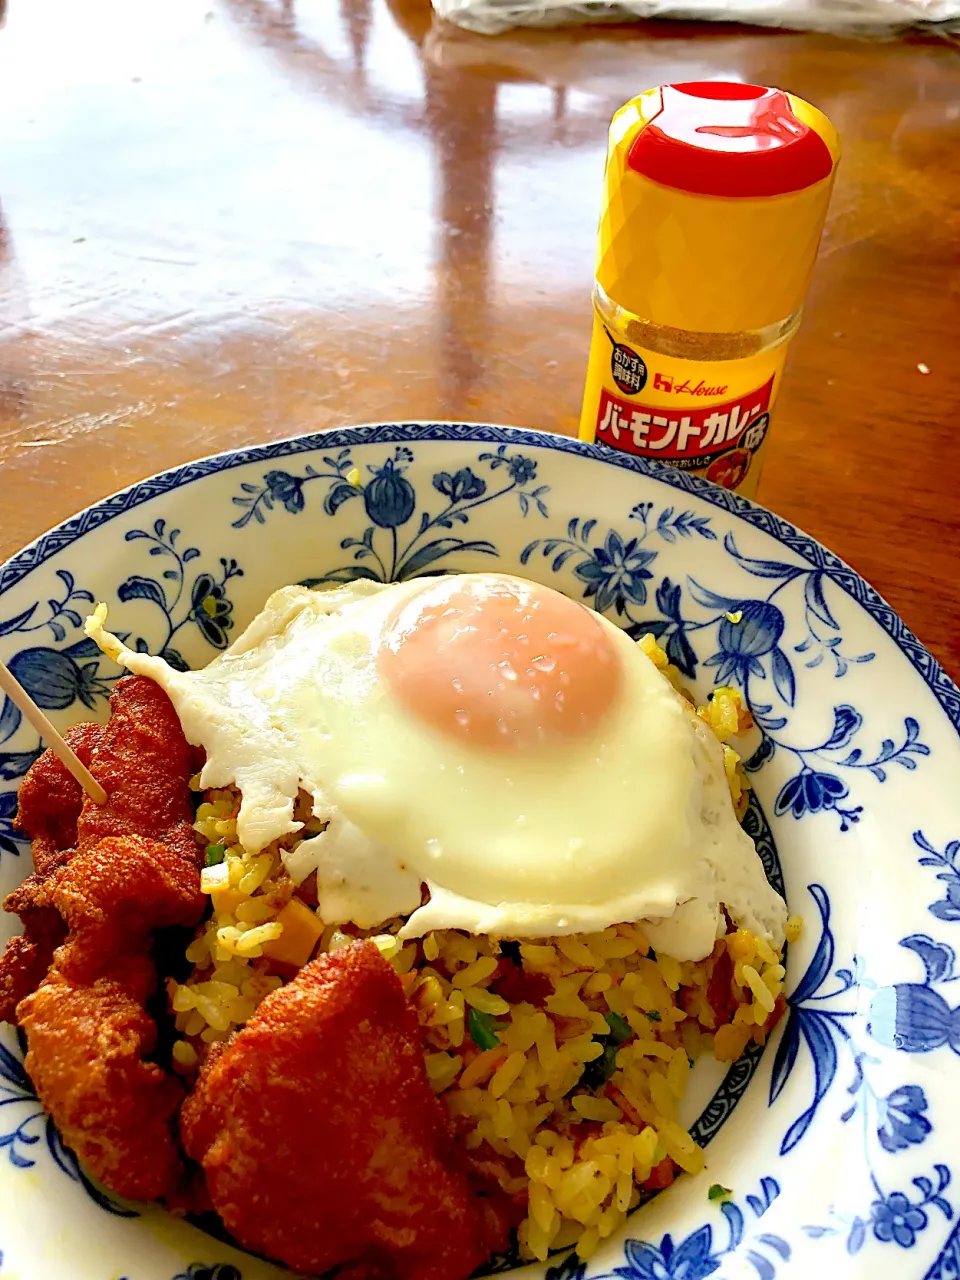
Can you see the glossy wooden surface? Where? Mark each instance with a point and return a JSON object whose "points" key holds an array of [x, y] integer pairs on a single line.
{"points": [[223, 221]]}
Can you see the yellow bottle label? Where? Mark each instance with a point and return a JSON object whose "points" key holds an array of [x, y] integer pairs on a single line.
{"points": [[710, 417]]}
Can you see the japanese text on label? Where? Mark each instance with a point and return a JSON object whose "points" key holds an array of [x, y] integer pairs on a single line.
{"points": [[677, 435]]}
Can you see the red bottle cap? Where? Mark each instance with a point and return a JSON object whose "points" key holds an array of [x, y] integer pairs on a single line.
{"points": [[718, 138]]}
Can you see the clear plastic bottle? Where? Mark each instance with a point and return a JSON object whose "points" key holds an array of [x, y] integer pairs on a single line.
{"points": [[715, 196]]}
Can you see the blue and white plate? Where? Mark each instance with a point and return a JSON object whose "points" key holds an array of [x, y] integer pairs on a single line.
{"points": [[840, 1142]]}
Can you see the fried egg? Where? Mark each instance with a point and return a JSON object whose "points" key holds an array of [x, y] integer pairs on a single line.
{"points": [[487, 755]]}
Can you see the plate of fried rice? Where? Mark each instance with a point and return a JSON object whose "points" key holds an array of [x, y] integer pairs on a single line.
{"points": [[516, 856]]}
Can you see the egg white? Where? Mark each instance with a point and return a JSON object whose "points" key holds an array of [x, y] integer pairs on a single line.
{"points": [[632, 822]]}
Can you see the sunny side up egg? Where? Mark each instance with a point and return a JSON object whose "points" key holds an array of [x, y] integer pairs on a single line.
{"points": [[484, 736]]}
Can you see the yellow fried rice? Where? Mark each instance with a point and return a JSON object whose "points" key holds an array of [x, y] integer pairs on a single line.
{"points": [[575, 1150]]}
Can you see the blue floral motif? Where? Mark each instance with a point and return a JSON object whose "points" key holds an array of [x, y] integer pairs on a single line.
{"points": [[755, 633], [521, 470], [811, 790], [914, 1019], [10, 838], [697, 1256], [819, 1028], [692, 1260], [14, 764], [948, 907], [203, 603], [54, 678], [616, 571], [910, 1017], [814, 790], [463, 485], [893, 1218], [903, 1121], [389, 501], [763, 623], [57, 612], [896, 1218], [285, 489]]}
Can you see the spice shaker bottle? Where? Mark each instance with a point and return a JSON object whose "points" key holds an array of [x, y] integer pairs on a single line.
{"points": [[714, 199]]}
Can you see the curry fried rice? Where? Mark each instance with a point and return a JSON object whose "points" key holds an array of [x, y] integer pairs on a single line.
{"points": [[561, 1061]]}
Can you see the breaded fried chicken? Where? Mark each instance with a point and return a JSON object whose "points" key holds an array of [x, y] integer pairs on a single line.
{"points": [[86, 1059], [87, 1029], [48, 807], [319, 1134], [27, 958], [143, 762], [113, 896], [50, 798], [79, 978]]}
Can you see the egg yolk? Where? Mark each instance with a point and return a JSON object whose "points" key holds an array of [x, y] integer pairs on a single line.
{"points": [[500, 663]]}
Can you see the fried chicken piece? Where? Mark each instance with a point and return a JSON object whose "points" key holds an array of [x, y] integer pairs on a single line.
{"points": [[79, 977], [86, 1060], [113, 896], [144, 763], [88, 1032], [48, 807], [50, 798], [26, 959], [321, 1140], [23, 966]]}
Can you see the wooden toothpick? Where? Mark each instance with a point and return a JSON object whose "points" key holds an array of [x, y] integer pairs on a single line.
{"points": [[17, 694]]}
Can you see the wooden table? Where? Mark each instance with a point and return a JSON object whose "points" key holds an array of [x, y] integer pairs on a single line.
{"points": [[228, 220]]}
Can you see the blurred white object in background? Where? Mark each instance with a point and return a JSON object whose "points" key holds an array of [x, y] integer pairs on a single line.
{"points": [[843, 17]]}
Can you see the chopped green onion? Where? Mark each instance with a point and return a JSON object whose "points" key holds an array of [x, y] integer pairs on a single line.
{"points": [[598, 1072], [717, 1192], [652, 1015], [215, 854], [620, 1028], [483, 1027]]}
